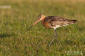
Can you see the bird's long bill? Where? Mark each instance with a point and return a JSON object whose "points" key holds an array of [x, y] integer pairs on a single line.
{"points": [[33, 24], [36, 22]]}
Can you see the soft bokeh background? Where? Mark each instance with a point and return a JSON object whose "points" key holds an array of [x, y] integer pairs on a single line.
{"points": [[16, 40]]}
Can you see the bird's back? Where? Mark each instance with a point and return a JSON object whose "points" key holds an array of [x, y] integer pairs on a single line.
{"points": [[53, 21]]}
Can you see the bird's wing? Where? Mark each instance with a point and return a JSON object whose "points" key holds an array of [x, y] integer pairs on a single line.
{"points": [[55, 20]]}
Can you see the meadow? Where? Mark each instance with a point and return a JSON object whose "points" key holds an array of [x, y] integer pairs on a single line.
{"points": [[16, 40]]}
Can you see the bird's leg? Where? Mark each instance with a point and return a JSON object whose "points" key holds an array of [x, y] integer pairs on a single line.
{"points": [[58, 42], [55, 34], [55, 38]]}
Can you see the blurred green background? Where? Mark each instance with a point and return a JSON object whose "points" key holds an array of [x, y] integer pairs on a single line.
{"points": [[16, 40]]}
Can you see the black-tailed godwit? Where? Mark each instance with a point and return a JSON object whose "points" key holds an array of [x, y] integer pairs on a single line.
{"points": [[54, 22]]}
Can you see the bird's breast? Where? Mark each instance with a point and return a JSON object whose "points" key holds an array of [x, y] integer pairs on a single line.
{"points": [[46, 24]]}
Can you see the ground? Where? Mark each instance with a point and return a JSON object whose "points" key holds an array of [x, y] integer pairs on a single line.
{"points": [[17, 40]]}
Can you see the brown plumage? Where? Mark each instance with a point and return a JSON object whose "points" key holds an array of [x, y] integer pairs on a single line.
{"points": [[54, 22]]}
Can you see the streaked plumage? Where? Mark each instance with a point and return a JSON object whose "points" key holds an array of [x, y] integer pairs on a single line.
{"points": [[54, 22]]}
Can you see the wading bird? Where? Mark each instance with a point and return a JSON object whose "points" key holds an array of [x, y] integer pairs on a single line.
{"points": [[54, 22]]}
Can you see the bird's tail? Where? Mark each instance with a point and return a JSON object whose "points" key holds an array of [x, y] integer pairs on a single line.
{"points": [[73, 21]]}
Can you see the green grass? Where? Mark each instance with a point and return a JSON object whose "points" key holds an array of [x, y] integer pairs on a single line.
{"points": [[15, 40]]}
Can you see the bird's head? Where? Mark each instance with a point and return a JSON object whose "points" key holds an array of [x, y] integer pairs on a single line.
{"points": [[40, 18]]}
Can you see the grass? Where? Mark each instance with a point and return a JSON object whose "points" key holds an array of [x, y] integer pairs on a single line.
{"points": [[15, 40]]}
